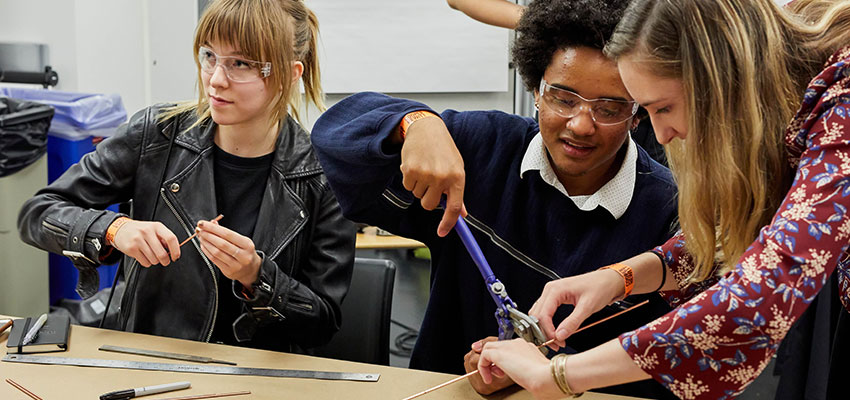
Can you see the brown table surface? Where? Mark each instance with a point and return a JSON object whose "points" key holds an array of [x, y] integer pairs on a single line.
{"points": [[70, 382], [386, 242]]}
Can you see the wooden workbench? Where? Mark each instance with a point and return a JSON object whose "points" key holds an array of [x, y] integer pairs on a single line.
{"points": [[54, 382], [386, 242]]}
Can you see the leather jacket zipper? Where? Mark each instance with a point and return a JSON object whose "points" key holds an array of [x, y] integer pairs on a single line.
{"points": [[204, 257], [303, 306], [53, 228], [64, 232]]}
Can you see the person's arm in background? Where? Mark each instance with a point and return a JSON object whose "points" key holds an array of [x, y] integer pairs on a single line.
{"points": [[501, 13]]}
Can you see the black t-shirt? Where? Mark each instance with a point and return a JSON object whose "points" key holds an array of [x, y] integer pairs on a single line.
{"points": [[239, 186]]}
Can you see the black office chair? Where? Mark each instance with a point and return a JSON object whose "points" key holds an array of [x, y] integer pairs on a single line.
{"points": [[365, 332]]}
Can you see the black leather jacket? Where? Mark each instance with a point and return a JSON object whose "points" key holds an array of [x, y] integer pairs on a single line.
{"points": [[306, 245]]}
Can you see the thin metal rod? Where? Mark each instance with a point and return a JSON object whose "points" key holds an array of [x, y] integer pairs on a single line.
{"points": [[550, 341], [23, 389], [6, 325], [442, 385], [611, 316], [208, 396], [196, 231]]}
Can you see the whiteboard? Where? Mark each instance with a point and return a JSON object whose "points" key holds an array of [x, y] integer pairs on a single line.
{"points": [[408, 46]]}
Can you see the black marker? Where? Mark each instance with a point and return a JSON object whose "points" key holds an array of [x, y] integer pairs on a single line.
{"points": [[130, 393]]}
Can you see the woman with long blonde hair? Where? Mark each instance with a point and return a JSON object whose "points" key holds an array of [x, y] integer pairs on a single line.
{"points": [[273, 271], [762, 204]]}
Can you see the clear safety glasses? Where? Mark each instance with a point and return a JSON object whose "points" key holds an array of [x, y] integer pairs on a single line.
{"points": [[237, 69], [568, 104]]}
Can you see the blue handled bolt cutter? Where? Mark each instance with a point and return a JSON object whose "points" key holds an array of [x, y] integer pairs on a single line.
{"points": [[511, 321]]}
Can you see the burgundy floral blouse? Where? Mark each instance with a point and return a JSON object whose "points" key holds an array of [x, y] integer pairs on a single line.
{"points": [[723, 333]]}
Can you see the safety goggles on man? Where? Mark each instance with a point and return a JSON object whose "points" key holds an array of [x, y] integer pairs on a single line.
{"points": [[568, 104], [237, 69]]}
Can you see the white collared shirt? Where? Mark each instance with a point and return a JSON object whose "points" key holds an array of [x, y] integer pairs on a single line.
{"points": [[614, 196]]}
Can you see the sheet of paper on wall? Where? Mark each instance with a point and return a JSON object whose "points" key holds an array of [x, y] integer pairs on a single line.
{"points": [[409, 46]]}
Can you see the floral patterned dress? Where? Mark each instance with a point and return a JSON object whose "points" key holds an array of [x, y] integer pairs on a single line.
{"points": [[724, 332]]}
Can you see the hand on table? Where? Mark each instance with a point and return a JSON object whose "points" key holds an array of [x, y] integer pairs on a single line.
{"points": [[470, 363], [522, 362]]}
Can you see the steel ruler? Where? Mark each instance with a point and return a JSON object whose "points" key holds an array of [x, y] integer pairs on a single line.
{"points": [[163, 354], [191, 368]]}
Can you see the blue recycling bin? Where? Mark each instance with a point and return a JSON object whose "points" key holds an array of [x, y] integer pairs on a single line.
{"points": [[80, 120]]}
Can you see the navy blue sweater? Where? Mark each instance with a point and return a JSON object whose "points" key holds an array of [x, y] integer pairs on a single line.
{"points": [[529, 231]]}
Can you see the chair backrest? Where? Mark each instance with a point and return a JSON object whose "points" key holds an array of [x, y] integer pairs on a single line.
{"points": [[365, 332]]}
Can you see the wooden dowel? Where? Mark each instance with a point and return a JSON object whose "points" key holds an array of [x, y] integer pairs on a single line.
{"points": [[23, 389], [208, 396], [611, 316], [550, 341], [6, 326], [196, 231], [441, 385]]}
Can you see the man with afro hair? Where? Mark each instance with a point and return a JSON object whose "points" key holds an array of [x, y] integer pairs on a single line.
{"points": [[545, 200], [506, 14]]}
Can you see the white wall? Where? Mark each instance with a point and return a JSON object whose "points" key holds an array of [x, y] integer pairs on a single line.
{"points": [[366, 46], [171, 32], [109, 58], [44, 21], [141, 49], [129, 47], [502, 101]]}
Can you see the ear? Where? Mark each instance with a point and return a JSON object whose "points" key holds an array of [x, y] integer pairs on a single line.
{"points": [[297, 71], [536, 98], [635, 123]]}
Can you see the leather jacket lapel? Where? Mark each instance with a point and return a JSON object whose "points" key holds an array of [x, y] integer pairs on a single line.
{"points": [[282, 213], [190, 187], [282, 216], [192, 191]]}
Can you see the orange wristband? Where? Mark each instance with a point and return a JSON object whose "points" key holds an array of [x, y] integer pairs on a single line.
{"points": [[410, 118], [628, 276], [113, 229]]}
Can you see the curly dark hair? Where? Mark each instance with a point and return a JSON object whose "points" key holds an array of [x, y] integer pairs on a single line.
{"points": [[547, 26]]}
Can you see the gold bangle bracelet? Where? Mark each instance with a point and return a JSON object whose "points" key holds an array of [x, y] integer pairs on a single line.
{"points": [[554, 369], [558, 366]]}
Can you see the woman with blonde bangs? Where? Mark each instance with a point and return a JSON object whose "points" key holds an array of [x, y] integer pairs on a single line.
{"points": [[762, 205], [273, 271]]}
